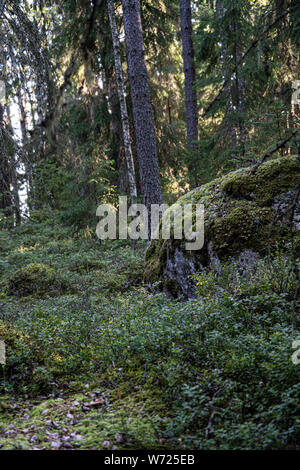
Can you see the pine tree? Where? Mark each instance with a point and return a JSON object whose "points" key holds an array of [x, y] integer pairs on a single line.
{"points": [[189, 73], [141, 103], [5, 171], [122, 100]]}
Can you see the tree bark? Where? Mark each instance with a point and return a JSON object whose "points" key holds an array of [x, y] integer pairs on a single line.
{"points": [[5, 172], [11, 159], [224, 59], [117, 134], [14, 176], [23, 127], [240, 80], [189, 74], [141, 104], [122, 100]]}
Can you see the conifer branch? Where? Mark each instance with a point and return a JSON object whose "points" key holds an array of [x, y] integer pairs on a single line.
{"points": [[239, 62]]}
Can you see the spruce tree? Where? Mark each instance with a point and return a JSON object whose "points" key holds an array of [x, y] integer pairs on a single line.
{"points": [[141, 104]]}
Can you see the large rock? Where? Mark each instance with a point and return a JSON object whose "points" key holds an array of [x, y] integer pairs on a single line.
{"points": [[247, 214]]}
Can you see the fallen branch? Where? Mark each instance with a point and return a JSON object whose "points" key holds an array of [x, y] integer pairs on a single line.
{"points": [[270, 152]]}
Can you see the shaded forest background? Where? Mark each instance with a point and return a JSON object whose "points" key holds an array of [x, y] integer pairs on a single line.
{"points": [[61, 135]]}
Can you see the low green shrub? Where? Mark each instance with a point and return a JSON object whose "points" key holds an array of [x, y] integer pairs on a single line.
{"points": [[218, 368], [35, 279], [19, 364], [269, 274]]}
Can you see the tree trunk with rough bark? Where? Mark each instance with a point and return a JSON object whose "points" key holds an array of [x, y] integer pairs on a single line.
{"points": [[189, 73], [5, 172], [23, 126], [227, 73], [14, 175], [141, 104], [12, 159], [122, 101]]}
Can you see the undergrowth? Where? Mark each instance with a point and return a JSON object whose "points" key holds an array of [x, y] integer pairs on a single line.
{"points": [[103, 363]]}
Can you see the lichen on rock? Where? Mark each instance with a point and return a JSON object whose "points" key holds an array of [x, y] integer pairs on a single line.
{"points": [[246, 212]]}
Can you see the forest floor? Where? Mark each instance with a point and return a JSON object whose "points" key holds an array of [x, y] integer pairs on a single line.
{"points": [[96, 361]]}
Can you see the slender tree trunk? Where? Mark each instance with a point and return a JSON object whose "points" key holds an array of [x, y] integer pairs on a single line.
{"points": [[117, 140], [5, 172], [39, 100], [23, 126], [11, 160], [14, 177], [141, 104], [21, 97], [122, 100], [225, 57], [6, 201], [241, 90], [40, 93], [15, 193], [189, 73]]}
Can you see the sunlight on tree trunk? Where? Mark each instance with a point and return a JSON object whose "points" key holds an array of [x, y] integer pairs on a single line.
{"points": [[122, 101]]}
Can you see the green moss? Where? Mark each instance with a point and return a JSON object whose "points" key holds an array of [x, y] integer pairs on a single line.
{"points": [[245, 225], [108, 430], [18, 442], [131, 424], [238, 215], [154, 260], [35, 279], [127, 422], [271, 179]]}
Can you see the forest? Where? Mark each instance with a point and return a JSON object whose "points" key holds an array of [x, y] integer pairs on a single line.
{"points": [[149, 225]]}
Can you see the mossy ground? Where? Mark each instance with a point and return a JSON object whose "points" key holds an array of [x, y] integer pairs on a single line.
{"points": [[108, 365], [73, 421], [37, 264]]}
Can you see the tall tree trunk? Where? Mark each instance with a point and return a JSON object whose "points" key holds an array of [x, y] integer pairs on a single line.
{"points": [[23, 127], [122, 100], [141, 104], [14, 176], [40, 93], [239, 87], [189, 73], [117, 139], [5, 172], [12, 160], [224, 59]]}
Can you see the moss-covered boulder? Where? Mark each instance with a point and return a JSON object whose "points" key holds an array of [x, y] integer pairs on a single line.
{"points": [[247, 214], [35, 279]]}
